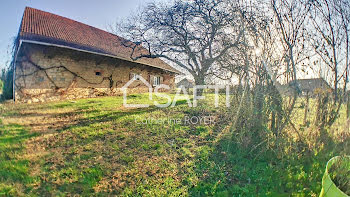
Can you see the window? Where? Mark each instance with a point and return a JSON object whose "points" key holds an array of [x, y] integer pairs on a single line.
{"points": [[156, 81], [98, 73], [134, 76]]}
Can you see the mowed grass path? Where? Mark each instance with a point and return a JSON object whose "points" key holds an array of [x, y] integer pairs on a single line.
{"points": [[95, 147]]}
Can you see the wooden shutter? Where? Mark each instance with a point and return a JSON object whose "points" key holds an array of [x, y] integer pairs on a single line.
{"points": [[161, 79], [131, 76], [151, 79]]}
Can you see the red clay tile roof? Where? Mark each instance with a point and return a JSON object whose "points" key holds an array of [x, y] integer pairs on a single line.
{"points": [[45, 27]]}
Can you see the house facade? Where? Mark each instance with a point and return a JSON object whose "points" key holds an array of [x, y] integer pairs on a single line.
{"points": [[59, 58], [304, 87]]}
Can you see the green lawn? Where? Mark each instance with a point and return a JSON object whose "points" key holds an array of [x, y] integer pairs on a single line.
{"points": [[94, 146]]}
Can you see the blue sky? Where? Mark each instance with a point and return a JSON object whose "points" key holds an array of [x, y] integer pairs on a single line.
{"points": [[99, 14]]}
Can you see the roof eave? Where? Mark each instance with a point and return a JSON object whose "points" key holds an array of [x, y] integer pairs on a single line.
{"points": [[93, 52]]}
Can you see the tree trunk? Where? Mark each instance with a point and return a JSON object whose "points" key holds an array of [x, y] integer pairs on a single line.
{"points": [[306, 108], [199, 80], [348, 107], [273, 122], [322, 111], [276, 106], [318, 110]]}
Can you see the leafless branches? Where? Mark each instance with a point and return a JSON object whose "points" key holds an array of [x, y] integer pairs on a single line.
{"points": [[193, 35]]}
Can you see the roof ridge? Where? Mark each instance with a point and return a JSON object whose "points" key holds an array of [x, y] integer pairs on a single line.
{"points": [[66, 18]]}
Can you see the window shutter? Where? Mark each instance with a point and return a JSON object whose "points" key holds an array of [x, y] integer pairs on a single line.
{"points": [[151, 81], [131, 76], [161, 80]]}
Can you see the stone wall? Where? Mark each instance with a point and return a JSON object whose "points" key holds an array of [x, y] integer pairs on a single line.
{"points": [[46, 73]]}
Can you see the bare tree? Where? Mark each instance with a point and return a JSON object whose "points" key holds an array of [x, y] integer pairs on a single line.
{"points": [[290, 20], [193, 35], [330, 39], [344, 10]]}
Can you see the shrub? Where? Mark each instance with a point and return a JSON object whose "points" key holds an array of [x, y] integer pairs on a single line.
{"points": [[7, 83], [7, 74], [1, 86]]}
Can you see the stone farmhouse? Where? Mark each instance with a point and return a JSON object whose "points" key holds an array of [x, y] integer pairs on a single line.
{"points": [[310, 87], [58, 58]]}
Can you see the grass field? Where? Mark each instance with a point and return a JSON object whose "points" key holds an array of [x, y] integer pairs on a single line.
{"points": [[95, 147]]}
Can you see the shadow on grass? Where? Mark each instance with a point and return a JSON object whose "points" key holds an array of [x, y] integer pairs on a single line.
{"points": [[14, 171], [81, 134]]}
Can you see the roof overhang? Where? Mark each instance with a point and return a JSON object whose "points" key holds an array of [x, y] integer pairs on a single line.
{"points": [[91, 52]]}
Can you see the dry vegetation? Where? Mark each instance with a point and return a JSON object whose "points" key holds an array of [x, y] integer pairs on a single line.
{"points": [[93, 146]]}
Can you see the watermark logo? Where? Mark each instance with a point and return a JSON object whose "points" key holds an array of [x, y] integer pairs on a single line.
{"points": [[181, 93], [187, 120], [125, 89]]}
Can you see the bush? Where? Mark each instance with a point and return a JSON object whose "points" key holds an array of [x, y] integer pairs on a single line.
{"points": [[1, 86], [7, 83]]}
